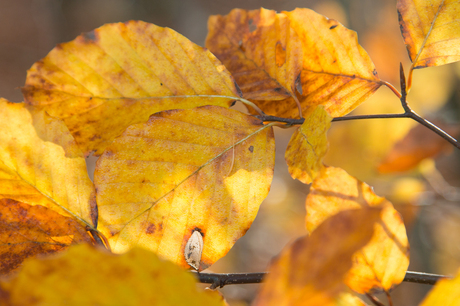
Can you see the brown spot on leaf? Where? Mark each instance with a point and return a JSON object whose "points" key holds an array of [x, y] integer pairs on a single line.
{"points": [[251, 149], [151, 228]]}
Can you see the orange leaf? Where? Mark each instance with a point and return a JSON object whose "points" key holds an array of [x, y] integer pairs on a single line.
{"points": [[384, 261], [120, 74], [431, 31], [335, 70], [27, 231], [420, 143], [308, 145], [261, 50], [311, 270], [40, 163], [88, 276], [445, 292], [202, 170]]}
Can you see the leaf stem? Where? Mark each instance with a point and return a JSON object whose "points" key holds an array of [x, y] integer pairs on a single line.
{"points": [[219, 280]]}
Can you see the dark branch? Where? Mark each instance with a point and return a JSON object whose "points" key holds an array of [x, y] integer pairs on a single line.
{"points": [[218, 280]]}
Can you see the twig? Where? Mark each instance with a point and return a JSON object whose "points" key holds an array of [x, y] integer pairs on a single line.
{"points": [[219, 280], [374, 300]]}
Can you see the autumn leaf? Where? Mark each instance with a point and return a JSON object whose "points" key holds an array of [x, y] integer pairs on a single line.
{"points": [[445, 292], [27, 231], [431, 31], [383, 262], [120, 74], [312, 269], [335, 70], [203, 170], [88, 276], [420, 143], [261, 50], [308, 145], [40, 164]]}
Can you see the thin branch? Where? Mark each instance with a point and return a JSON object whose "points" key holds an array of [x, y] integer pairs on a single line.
{"points": [[219, 280], [374, 300]]}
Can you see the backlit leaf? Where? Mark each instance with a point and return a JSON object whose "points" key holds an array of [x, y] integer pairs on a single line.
{"points": [[308, 145], [120, 74], [335, 70], [312, 269], [420, 143], [261, 50], [87, 276], [431, 31], [27, 231], [206, 170], [40, 163], [384, 261], [446, 292]]}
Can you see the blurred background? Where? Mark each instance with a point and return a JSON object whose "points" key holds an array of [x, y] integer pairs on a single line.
{"points": [[427, 196]]}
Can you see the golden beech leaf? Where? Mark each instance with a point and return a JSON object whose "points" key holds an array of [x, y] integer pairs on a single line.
{"points": [[419, 143], [384, 261], [445, 292], [27, 231], [261, 50], [40, 163], [312, 269], [85, 275], [335, 71], [431, 31], [120, 74], [202, 170], [308, 145]]}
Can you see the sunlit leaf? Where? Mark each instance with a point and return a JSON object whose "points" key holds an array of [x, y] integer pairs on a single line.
{"points": [[420, 143], [431, 31], [445, 292], [87, 276], [308, 145], [27, 231], [312, 269], [120, 74], [206, 170], [40, 163], [335, 70], [261, 50], [384, 261]]}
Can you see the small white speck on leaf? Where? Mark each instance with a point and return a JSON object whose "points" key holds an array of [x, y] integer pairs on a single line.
{"points": [[193, 250]]}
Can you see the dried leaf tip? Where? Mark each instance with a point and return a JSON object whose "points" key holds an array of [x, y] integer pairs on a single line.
{"points": [[193, 250]]}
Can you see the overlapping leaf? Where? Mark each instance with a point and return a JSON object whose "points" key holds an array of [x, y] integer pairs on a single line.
{"points": [[261, 50], [40, 163], [384, 261], [312, 269], [335, 70], [87, 276], [431, 31], [206, 170], [27, 231], [120, 74], [308, 145], [445, 292]]}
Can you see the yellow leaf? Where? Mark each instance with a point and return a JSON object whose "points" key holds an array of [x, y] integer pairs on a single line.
{"points": [[266, 52], [203, 170], [261, 50], [87, 276], [431, 31], [308, 145], [120, 74], [40, 163], [384, 261], [27, 231], [446, 292], [337, 72], [311, 270]]}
